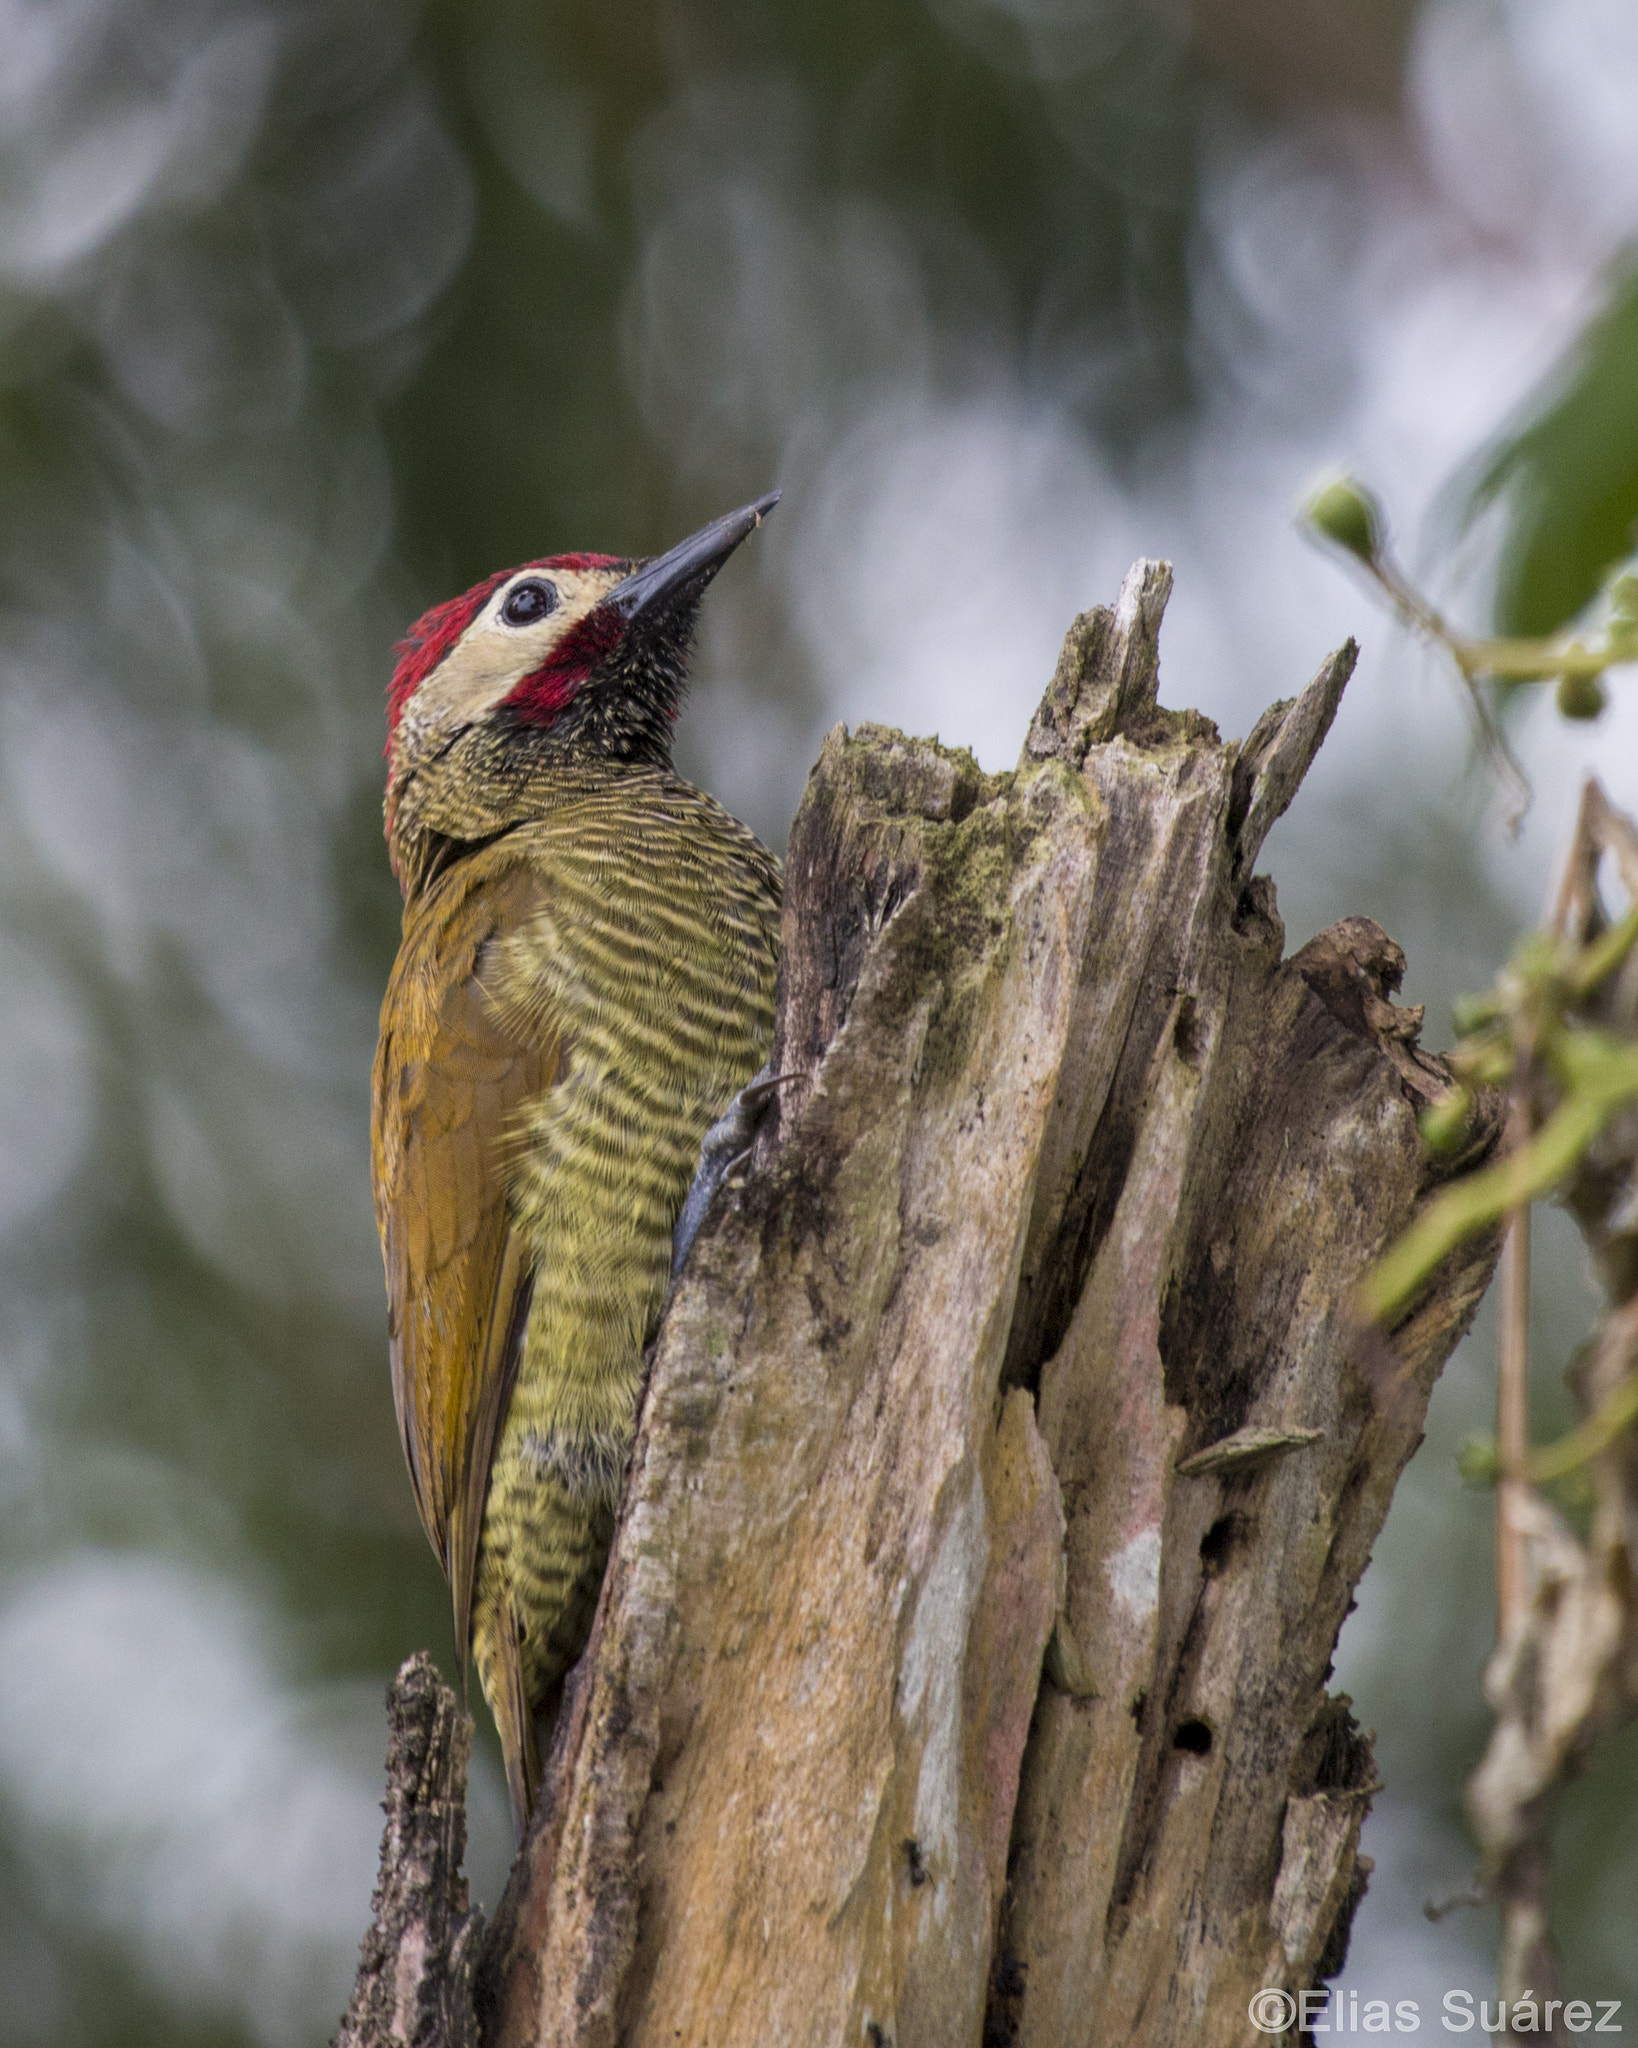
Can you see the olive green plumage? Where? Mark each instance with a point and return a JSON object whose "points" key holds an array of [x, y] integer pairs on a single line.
{"points": [[652, 960], [586, 979]]}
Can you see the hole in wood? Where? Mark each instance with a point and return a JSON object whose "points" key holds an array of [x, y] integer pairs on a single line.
{"points": [[1220, 1542], [1187, 1035], [1193, 1736]]}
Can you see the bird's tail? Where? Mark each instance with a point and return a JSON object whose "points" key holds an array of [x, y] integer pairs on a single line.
{"points": [[515, 1725]]}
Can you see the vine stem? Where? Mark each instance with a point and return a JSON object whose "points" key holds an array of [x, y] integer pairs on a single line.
{"points": [[1513, 1409]]}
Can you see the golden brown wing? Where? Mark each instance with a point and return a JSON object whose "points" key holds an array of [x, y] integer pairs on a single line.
{"points": [[450, 1078]]}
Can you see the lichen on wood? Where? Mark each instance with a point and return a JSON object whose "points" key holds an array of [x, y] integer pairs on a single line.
{"points": [[1010, 1452]]}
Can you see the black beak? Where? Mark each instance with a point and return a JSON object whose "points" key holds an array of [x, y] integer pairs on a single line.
{"points": [[695, 560]]}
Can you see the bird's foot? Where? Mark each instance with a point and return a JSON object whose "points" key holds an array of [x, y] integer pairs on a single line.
{"points": [[725, 1144]]}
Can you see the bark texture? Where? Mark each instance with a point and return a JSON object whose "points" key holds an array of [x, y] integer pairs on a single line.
{"points": [[1010, 1455], [414, 1984]]}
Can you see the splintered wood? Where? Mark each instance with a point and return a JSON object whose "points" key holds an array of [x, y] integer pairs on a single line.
{"points": [[1010, 1455], [414, 1983]]}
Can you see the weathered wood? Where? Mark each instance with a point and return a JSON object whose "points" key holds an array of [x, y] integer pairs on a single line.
{"points": [[930, 1699], [414, 1984]]}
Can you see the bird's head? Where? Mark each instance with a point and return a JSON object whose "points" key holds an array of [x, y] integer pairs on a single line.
{"points": [[574, 657]]}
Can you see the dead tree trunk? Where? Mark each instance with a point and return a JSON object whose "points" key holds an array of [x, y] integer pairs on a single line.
{"points": [[1010, 1455], [414, 1982]]}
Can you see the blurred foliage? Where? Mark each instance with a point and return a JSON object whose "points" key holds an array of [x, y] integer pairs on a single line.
{"points": [[1568, 473], [1044, 174], [1528, 1025]]}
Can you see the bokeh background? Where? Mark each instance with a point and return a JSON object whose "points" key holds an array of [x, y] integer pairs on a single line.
{"points": [[311, 314]]}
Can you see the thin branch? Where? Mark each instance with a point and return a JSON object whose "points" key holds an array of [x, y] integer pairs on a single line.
{"points": [[1512, 1417]]}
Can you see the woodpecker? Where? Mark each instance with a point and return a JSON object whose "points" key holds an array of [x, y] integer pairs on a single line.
{"points": [[585, 984]]}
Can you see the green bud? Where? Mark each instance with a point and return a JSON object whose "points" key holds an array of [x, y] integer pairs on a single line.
{"points": [[1444, 1122], [1581, 696], [1347, 514], [1478, 1461]]}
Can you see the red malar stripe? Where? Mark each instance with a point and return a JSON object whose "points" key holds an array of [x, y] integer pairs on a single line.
{"points": [[543, 693], [436, 632]]}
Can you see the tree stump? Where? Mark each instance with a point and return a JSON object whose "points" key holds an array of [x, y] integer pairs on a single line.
{"points": [[414, 1982], [1010, 1453]]}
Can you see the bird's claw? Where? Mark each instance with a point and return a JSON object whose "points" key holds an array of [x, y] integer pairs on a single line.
{"points": [[725, 1145], [753, 1098]]}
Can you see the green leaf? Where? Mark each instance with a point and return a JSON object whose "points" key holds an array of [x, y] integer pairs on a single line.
{"points": [[1570, 476]]}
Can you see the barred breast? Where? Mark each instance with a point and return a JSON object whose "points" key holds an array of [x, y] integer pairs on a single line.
{"points": [[652, 957]]}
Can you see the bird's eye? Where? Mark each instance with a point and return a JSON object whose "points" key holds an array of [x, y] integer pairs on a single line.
{"points": [[528, 602]]}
